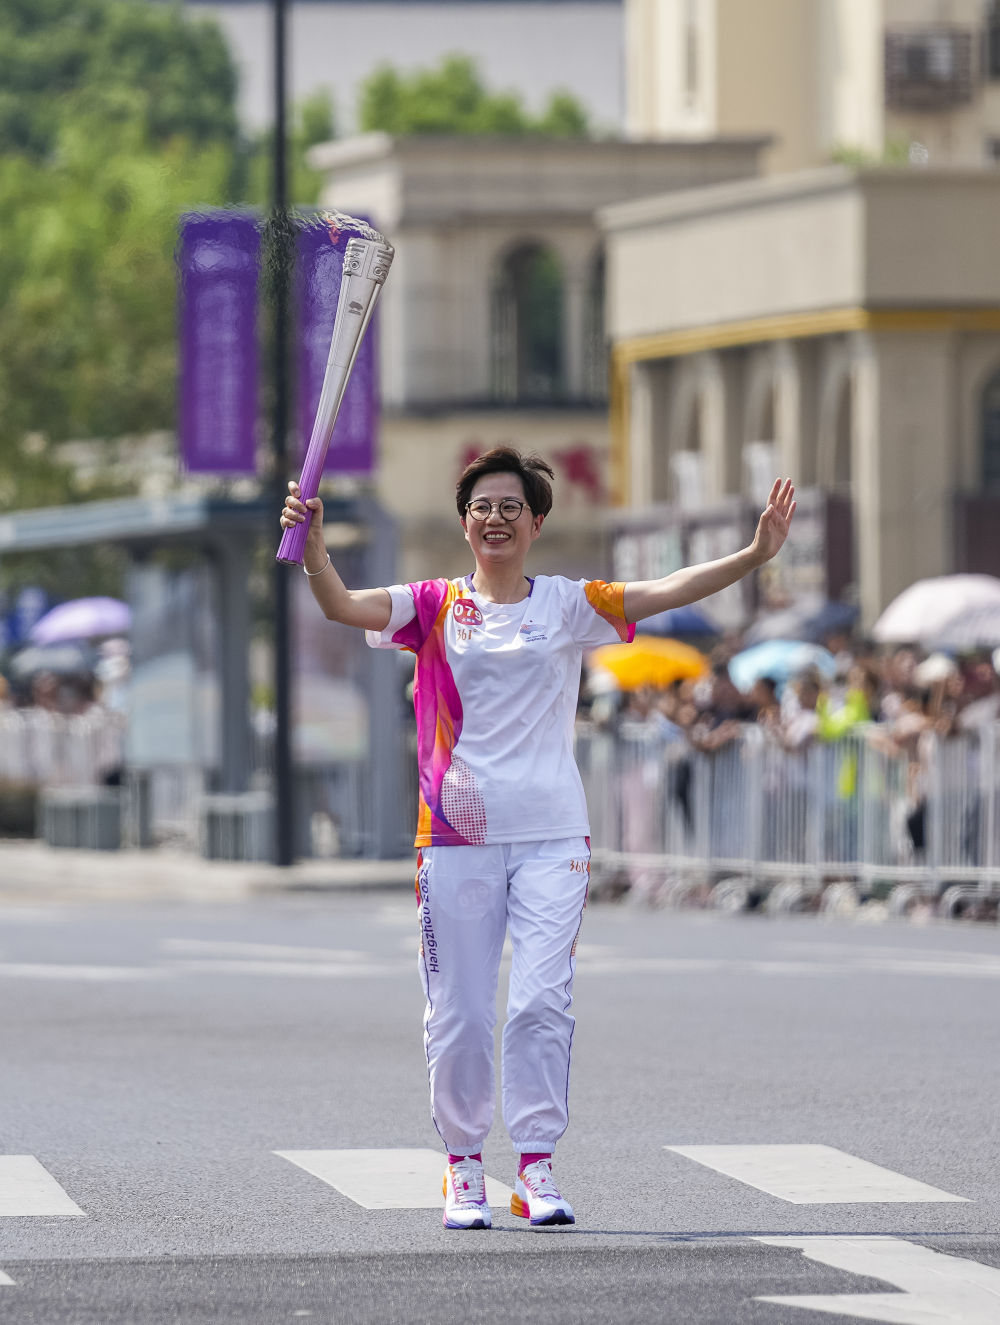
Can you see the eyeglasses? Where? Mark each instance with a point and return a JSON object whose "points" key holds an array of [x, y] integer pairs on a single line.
{"points": [[481, 509]]}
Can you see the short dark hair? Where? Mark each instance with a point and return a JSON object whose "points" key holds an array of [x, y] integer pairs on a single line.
{"points": [[530, 469]]}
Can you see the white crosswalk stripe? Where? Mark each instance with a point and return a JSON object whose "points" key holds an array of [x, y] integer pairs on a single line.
{"points": [[386, 1179], [936, 1289], [27, 1188], [928, 1287], [812, 1174]]}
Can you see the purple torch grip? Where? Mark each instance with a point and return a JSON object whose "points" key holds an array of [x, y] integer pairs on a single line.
{"points": [[293, 541], [366, 265]]}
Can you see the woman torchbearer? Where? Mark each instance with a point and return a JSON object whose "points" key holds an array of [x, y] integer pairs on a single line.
{"points": [[502, 835]]}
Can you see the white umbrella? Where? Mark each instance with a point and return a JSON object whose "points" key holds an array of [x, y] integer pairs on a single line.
{"points": [[926, 611], [977, 628]]}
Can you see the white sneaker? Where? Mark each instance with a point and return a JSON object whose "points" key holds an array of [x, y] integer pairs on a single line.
{"points": [[465, 1195], [536, 1197]]}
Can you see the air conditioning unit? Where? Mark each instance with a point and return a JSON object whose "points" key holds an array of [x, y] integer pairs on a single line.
{"points": [[930, 69]]}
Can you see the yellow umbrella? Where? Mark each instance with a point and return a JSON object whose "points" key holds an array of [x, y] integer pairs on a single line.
{"points": [[649, 661]]}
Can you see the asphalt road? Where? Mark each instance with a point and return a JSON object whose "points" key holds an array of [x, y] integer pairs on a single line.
{"points": [[154, 1059]]}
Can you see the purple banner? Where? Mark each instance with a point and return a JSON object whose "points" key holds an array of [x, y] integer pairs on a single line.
{"points": [[320, 266], [219, 260]]}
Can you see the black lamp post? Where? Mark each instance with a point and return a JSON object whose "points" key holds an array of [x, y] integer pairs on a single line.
{"points": [[281, 250]]}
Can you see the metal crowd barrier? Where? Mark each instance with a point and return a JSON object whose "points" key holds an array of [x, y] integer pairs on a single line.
{"points": [[59, 776], [73, 768], [60, 750], [838, 824]]}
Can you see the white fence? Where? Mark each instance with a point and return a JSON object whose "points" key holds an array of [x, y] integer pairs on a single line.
{"points": [[753, 818], [334, 813], [665, 818], [46, 749]]}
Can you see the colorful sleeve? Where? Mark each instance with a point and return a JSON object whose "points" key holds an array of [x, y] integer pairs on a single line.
{"points": [[600, 615], [414, 610]]}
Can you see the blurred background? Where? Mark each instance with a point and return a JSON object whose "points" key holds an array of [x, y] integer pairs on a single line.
{"points": [[675, 246]]}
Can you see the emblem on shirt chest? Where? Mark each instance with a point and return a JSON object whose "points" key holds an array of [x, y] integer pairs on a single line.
{"points": [[467, 617], [531, 632]]}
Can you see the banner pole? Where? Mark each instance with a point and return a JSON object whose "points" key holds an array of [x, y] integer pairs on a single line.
{"points": [[281, 258]]}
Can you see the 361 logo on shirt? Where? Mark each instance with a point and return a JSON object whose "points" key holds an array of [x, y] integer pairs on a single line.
{"points": [[466, 613]]}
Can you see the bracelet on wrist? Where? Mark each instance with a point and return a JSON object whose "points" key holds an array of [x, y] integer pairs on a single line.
{"points": [[322, 568]]}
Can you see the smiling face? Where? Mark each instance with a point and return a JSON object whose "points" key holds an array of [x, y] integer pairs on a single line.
{"points": [[496, 542]]}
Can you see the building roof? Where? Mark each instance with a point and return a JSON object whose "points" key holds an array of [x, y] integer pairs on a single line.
{"points": [[822, 241], [427, 179]]}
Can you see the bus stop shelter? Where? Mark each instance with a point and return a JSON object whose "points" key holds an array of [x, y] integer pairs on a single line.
{"points": [[224, 534]]}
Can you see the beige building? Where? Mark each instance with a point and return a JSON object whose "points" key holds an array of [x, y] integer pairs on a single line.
{"points": [[492, 321], [830, 79], [839, 326]]}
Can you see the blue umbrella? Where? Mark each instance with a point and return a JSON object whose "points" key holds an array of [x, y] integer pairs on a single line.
{"points": [[779, 659], [831, 618], [679, 622], [812, 622]]}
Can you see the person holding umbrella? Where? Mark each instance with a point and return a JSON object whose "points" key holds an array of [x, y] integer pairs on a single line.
{"points": [[502, 836]]}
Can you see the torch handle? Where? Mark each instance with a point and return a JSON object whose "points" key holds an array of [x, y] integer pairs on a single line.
{"points": [[293, 540]]}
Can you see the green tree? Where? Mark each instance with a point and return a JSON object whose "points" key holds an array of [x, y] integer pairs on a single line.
{"points": [[452, 98], [87, 294], [115, 116], [564, 117], [312, 122], [895, 152], [112, 59]]}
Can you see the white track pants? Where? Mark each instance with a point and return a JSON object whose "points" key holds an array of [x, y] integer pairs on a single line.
{"points": [[467, 897]]}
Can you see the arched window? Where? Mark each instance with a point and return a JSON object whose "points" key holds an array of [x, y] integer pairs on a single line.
{"points": [[990, 433], [687, 464], [835, 434], [993, 41], [758, 456], [766, 429], [595, 367], [528, 326], [841, 469]]}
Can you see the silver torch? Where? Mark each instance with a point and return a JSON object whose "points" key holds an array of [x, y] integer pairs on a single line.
{"points": [[367, 260]]}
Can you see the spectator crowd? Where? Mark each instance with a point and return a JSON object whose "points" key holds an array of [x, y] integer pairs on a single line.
{"points": [[895, 695]]}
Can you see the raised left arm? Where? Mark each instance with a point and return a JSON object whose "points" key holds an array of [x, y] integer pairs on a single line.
{"points": [[645, 598]]}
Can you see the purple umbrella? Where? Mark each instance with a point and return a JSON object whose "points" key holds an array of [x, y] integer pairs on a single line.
{"points": [[83, 618]]}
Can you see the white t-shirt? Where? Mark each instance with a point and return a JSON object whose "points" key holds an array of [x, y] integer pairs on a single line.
{"points": [[495, 698]]}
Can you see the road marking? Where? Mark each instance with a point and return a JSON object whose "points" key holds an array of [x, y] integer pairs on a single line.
{"points": [[234, 958], [6, 1280], [937, 1289], [298, 970], [811, 1175], [26, 1188], [260, 951], [611, 964], [53, 971], [24, 914], [897, 957], [386, 1179]]}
